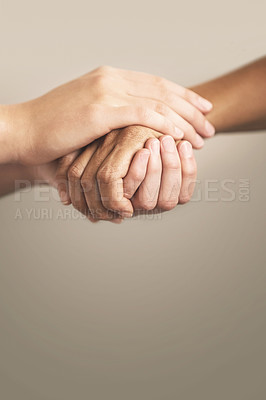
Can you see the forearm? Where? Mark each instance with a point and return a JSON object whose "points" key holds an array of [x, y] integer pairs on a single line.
{"points": [[238, 98], [10, 173], [7, 153], [13, 174]]}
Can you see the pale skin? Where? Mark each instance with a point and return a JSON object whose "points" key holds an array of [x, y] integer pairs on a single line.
{"points": [[239, 104], [78, 112], [93, 181]]}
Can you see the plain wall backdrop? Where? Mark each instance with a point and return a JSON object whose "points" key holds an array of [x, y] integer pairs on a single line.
{"points": [[155, 309]]}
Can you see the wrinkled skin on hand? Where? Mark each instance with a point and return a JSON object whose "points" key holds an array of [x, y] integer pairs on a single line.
{"points": [[128, 171]]}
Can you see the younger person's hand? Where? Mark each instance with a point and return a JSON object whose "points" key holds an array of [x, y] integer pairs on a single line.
{"points": [[78, 112]]}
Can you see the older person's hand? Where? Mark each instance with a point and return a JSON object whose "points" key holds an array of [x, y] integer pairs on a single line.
{"points": [[132, 170]]}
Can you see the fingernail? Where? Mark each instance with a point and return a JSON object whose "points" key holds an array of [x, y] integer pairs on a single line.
{"points": [[199, 141], [125, 214], [179, 133], [186, 149], [205, 104], [209, 128], [155, 146], [117, 220], [168, 144], [93, 220], [64, 197]]}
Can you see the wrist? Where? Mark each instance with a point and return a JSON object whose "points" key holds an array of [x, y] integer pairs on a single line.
{"points": [[7, 139], [44, 173], [13, 125]]}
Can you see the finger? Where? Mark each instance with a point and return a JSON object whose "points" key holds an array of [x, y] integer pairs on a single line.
{"points": [[189, 171], [106, 118], [96, 120], [61, 176], [97, 206], [115, 167], [171, 174], [198, 101], [147, 195], [75, 173], [188, 130], [91, 190], [179, 104], [136, 172], [110, 182]]}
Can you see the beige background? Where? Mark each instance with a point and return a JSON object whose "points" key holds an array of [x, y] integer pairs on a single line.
{"points": [[156, 309]]}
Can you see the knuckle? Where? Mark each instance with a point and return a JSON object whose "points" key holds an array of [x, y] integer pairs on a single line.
{"points": [[161, 108], [172, 164], [111, 204], [168, 126], [147, 205], [87, 181], [194, 113], [186, 94], [65, 161], [158, 80], [102, 176], [190, 131], [201, 122], [200, 119], [191, 171], [137, 175], [91, 219], [60, 178], [75, 172], [80, 207], [155, 169], [101, 81], [171, 98], [144, 114], [106, 174], [104, 69], [167, 205], [185, 198], [101, 213]]}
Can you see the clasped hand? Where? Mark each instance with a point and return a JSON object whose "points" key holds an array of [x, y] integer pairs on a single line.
{"points": [[109, 173], [130, 171]]}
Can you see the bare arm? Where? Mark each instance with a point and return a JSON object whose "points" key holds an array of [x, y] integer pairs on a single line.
{"points": [[9, 173], [239, 98], [12, 173], [75, 114]]}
